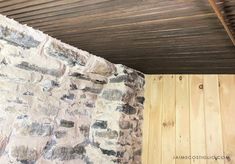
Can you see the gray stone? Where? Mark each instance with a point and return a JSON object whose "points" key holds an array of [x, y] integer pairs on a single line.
{"points": [[87, 78], [92, 90], [84, 129], [66, 153], [17, 101], [80, 76], [108, 152], [55, 83], [138, 152], [118, 79], [90, 104], [3, 75], [131, 77], [79, 149], [48, 85], [111, 134], [135, 79], [22, 116], [16, 38], [140, 74], [49, 110], [99, 124], [48, 147], [30, 67], [124, 124], [4, 61], [83, 96], [140, 100], [73, 86], [127, 109], [112, 94], [27, 162], [60, 134], [72, 57], [37, 129], [99, 81], [28, 93], [97, 65], [62, 153], [66, 123], [69, 96], [23, 153]]}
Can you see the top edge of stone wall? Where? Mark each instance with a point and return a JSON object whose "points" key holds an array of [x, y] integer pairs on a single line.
{"points": [[22, 28], [42, 38], [36, 34]]}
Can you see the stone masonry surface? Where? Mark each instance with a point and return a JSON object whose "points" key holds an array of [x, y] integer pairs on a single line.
{"points": [[62, 105]]}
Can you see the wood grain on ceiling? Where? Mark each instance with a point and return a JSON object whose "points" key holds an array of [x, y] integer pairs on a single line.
{"points": [[153, 36], [228, 8], [221, 9]]}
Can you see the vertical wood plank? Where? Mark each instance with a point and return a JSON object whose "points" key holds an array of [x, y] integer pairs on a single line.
{"points": [[147, 106], [197, 120], [214, 141], [227, 101], [182, 119], [168, 120], [155, 120]]}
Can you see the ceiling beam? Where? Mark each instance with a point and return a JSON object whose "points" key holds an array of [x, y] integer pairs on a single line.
{"points": [[222, 20]]}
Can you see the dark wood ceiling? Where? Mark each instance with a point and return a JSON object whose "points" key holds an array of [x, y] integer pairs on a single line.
{"points": [[153, 36], [228, 11]]}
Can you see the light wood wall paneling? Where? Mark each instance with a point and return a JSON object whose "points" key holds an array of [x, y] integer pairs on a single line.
{"points": [[227, 101], [155, 122], [147, 105], [197, 118], [214, 141], [182, 118], [189, 115], [168, 120]]}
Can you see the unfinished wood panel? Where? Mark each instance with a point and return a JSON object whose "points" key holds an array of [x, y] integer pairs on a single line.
{"points": [[168, 120], [182, 119], [196, 116], [197, 119], [154, 155], [214, 141], [227, 99], [147, 105]]}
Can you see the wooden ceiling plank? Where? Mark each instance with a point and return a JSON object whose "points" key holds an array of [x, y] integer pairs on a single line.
{"points": [[111, 25], [147, 34], [42, 8], [222, 20], [83, 10], [22, 4], [8, 3], [40, 13]]}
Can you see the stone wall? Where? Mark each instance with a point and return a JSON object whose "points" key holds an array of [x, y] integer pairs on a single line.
{"points": [[63, 105]]}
